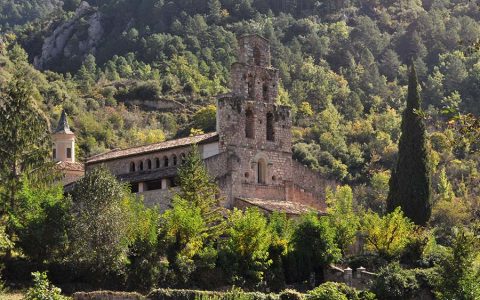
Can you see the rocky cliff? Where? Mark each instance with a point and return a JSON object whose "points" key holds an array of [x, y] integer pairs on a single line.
{"points": [[76, 37]]}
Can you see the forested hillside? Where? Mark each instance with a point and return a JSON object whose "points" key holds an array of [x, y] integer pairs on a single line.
{"points": [[343, 68]]}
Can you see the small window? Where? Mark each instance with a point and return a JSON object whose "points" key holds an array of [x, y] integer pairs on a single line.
{"points": [[257, 54], [69, 152], [265, 92], [251, 87], [174, 159], [249, 124], [270, 127], [261, 171], [183, 158], [157, 163], [149, 164], [54, 153], [165, 161], [141, 166], [132, 167]]}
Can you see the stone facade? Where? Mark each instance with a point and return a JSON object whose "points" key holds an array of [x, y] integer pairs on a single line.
{"points": [[250, 155]]}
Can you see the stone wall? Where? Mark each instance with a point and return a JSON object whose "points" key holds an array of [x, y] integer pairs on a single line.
{"points": [[107, 295], [217, 165], [359, 278], [295, 193], [267, 192], [160, 198], [309, 180]]}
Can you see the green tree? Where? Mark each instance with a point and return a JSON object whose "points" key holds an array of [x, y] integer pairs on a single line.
{"points": [[145, 268], [41, 222], [281, 228], [457, 273], [244, 252], [87, 74], [199, 190], [183, 234], [342, 217], [214, 11], [395, 283], [410, 183], [25, 142], [388, 235], [205, 118], [314, 247], [445, 190], [101, 228]]}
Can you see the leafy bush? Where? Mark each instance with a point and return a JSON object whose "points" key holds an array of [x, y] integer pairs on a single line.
{"points": [[43, 289], [290, 295], [393, 282], [327, 291], [336, 290], [234, 294]]}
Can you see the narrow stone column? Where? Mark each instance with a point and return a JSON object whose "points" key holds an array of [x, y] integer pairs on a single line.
{"points": [[141, 187], [348, 276], [359, 272], [164, 183]]}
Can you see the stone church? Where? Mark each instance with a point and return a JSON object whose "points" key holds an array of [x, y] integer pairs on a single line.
{"points": [[250, 155]]}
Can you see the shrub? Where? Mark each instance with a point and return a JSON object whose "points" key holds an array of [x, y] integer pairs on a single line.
{"points": [[336, 290], [43, 290], [234, 294], [327, 291], [393, 282], [108, 295], [290, 295]]}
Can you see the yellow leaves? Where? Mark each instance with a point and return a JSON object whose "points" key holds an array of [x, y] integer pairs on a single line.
{"points": [[387, 235], [150, 136], [196, 131]]}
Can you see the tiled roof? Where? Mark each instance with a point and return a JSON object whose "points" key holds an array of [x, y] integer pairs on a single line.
{"points": [[71, 166], [114, 154], [63, 126], [290, 208]]}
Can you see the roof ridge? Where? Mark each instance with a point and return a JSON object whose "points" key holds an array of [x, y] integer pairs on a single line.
{"points": [[199, 137]]}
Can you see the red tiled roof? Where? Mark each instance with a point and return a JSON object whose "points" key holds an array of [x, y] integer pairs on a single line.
{"points": [[290, 208], [71, 166], [198, 139]]}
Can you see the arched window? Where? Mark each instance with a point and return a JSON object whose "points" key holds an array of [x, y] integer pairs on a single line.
{"points": [[265, 92], [157, 163], [251, 87], [149, 164], [182, 158], [270, 129], [165, 161], [249, 124], [174, 159], [257, 56], [141, 166], [132, 166], [261, 171]]}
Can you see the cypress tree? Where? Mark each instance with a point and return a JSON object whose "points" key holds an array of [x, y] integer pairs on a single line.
{"points": [[410, 183]]}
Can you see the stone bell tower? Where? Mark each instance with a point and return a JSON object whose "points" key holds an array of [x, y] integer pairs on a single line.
{"points": [[252, 127], [63, 141]]}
